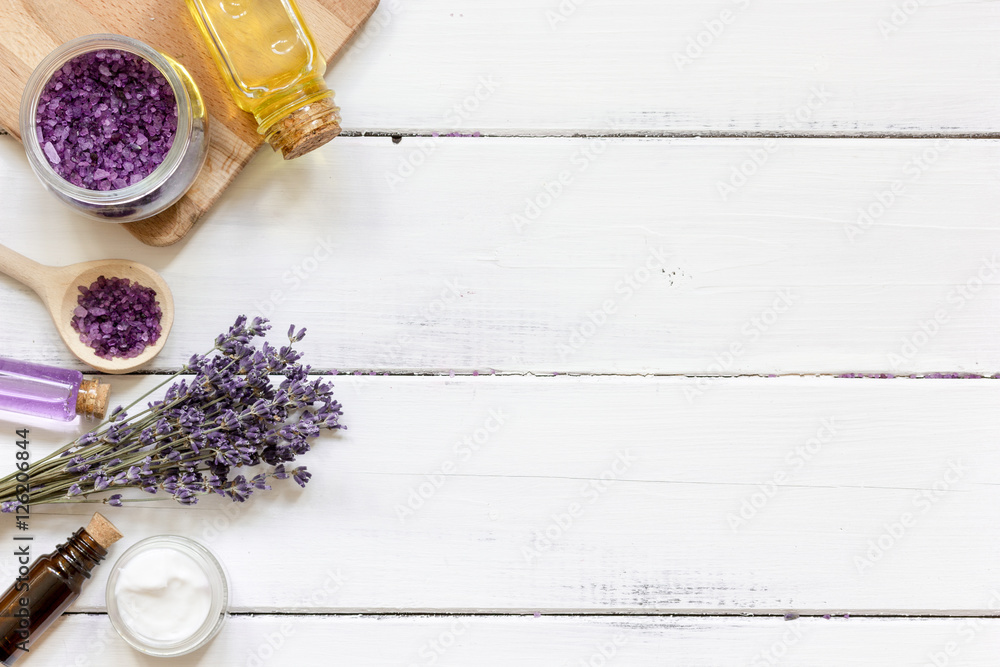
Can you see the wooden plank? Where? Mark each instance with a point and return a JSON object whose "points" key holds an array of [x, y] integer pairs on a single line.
{"points": [[675, 66], [278, 641], [631, 495], [931, 68], [430, 256]]}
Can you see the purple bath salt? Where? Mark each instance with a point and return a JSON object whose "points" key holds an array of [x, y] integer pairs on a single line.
{"points": [[106, 119], [116, 317]]}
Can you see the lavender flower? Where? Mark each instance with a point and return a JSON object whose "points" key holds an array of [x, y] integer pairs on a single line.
{"points": [[224, 415], [301, 476]]}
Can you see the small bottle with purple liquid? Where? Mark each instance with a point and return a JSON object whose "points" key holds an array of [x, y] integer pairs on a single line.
{"points": [[52, 393]]}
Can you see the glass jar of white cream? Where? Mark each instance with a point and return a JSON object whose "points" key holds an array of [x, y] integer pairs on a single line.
{"points": [[167, 596]]}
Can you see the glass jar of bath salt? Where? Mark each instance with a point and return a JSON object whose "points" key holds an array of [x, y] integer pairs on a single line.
{"points": [[167, 595], [112, 127]]}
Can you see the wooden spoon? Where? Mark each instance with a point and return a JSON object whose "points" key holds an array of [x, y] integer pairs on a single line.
{"points": [[57, 287]]}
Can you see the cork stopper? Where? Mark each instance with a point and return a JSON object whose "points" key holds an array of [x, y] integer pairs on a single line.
{"points": [[103, 531], [92, 399], [306, 129]]}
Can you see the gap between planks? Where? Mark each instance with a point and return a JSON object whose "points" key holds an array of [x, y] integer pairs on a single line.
{"points": [[847, 375], [788, 615], [467, 133], [651, 134]]}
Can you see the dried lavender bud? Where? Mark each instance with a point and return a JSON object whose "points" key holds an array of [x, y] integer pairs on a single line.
{"points": [[106, 119], [228, 412], [301, 475], [117, 318]]}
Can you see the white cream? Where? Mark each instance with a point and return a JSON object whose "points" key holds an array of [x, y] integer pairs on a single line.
{"points": [[163, 595]]}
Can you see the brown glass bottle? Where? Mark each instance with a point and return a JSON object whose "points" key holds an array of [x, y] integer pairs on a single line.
{"points": [[51, 585]]}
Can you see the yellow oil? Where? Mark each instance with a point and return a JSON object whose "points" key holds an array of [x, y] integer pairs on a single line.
{"points": [[268, 60], [194, 93]]}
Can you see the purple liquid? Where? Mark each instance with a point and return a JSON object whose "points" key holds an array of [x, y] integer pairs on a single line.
{"points": [[43, 391]]}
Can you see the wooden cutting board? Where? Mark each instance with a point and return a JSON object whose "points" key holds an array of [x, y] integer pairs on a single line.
{"points": [[31, 29]]}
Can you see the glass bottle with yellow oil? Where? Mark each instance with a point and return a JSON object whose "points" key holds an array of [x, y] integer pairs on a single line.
{"points": [[273, 68]]}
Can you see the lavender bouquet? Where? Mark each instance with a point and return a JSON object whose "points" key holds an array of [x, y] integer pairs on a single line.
{"points": [[227, 415]]}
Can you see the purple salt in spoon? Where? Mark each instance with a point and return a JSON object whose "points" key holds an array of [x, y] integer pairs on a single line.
{"points": [[57, 286]]}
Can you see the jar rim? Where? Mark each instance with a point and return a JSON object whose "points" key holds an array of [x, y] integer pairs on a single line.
{"points": [[29, 106], [218, 611]]}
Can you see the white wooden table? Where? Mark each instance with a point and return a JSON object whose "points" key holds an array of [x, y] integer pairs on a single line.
{"points": [[593, 361]]}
